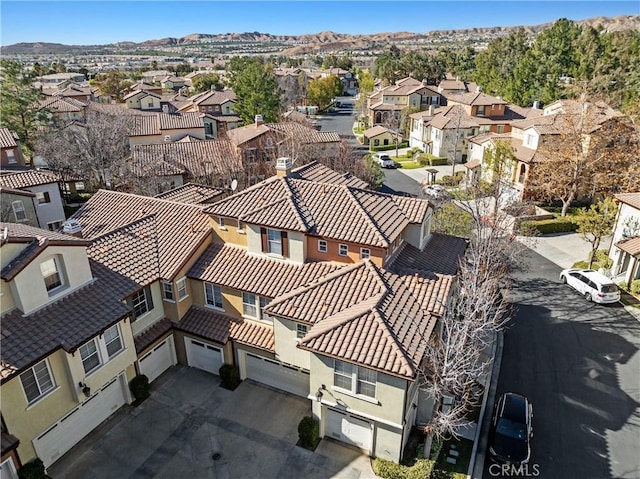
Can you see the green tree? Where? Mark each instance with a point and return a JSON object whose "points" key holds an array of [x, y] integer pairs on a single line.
{"points": [[597, 222], [387, 65], [19, 104], [321, 91], [256, 87], [206, 82], [114, 83]]}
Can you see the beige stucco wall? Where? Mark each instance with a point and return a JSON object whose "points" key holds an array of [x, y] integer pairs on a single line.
{"points": [[230, 232], [286, 344], [7, 213], [150, 317], [387, 442], [297, 246], [387, 405], [29, 291]]}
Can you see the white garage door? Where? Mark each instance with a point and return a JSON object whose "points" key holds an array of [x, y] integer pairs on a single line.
{"points": [[278, 375], [158, 360], [204, 356], [349, 429], [65, 433]]}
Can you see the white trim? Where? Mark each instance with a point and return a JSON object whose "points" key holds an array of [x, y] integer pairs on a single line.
{"points": [[182, 281], [349, 410]]}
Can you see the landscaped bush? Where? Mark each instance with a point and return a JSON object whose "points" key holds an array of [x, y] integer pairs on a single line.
{"points": [[308, 432], [448, 180], [421, 469], [437, 161], [602, 258], [635, 287], [581, 265], [34, 469], [556, 225], [624, 285], [436, 447], [139, 387], [404, 144], [229, 376]]}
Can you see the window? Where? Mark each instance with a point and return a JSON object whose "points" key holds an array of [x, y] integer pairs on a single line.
{"points": [[274, 241], [54, 225], [251, 155], [112, 341], [354, 379], [264, 302], [141, 302], [18, 210], [51, 274], [90, 356], [343, 250], [376, 142], [11, 158], [480, 110], [213, 295], [37, 381], [182, 288], [365, 253], [210, 108], [322, 246], [529, 140], [249, 305], [240, 228], [150, 104], [167, 291], [221, 223], [43, 197], [301, 331]]}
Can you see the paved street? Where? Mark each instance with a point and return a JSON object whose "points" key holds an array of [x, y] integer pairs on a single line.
{"points": [[578, 362]]}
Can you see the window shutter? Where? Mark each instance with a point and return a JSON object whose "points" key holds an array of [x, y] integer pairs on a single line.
{"points": [[285, 243], [263, 234], [148, 297]]}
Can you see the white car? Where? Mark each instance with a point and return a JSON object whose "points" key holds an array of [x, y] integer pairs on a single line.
{"points": [[383, 160], [594, 286]]}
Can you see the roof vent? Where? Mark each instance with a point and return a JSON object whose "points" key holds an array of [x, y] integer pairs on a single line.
{"points": [[259, 120], [72, 227], [283, 166]]}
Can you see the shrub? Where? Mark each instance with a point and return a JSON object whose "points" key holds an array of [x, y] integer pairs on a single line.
{"points": [[436, 447], [635, 286], [229, 376], [308, 432], [437, 161], [556, 225], [421, 469], [34, 469], [139, 387], [581, 265], [448, 180], [624, 285], [602, 258]]}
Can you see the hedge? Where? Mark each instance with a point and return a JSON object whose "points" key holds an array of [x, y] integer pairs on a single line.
{"points": [[635, 286], [404, 144], [139, 387], [34, 469], [421, 469], [229, 376], [545, 227], [308, 432]]}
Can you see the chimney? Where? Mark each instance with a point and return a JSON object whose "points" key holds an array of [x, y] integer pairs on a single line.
{"points": [[283, 166], [259, 120], [536, 104], [73, 228]]}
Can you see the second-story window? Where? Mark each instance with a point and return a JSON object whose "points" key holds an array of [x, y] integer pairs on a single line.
{"points": [[322, 246], [112, 341], [51, 274], [18, 210], [167, 291], [221, 223], [343, 250], [274, 241], [43, 197], [90, 356], [365, 253], [213, 295], [301, 330], [37, 381], [182, 288], [249, 305], [141, 302]]}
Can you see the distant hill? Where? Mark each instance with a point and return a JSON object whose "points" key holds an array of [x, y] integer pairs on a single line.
{"points": [[299, 44]]}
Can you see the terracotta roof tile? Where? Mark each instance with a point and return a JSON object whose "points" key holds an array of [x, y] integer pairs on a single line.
{"points": [[180, 228], [27, 178], [243, 134], [632, 199], [630, 245], [67, 323], [146, 338], [319, 173], [305, 134], [440, 255], [8, 139], [191, 193], [231, 266], [63, 105]]}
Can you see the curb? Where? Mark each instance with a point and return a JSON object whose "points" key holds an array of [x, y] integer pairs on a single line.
{"points": [[476, 466]]}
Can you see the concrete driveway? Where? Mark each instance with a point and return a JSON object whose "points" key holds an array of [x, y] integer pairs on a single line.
{"points": [[188, 419]]}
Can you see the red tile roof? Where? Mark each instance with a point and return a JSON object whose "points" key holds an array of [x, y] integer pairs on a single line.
{"points": [[192, 193], [319, 173], [630, 245], [631, 199], [8, 139], [27, 178]]}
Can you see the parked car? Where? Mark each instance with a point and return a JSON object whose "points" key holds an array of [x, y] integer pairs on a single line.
{"points": [[383, 160], [511, 429], [594, 286]]}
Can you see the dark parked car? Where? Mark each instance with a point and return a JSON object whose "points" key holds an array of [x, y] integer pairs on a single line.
{"points": [[511, 429]]}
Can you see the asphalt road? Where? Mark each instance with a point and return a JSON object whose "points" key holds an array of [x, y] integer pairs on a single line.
{"points": [[579, 365]]}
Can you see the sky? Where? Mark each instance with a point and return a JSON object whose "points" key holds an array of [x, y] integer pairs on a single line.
{"points": [[95, 22]]}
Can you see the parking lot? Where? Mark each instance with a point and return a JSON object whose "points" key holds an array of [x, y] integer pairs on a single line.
{"points": [[190, 427]]}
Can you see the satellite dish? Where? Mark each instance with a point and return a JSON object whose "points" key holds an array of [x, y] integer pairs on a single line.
{"points": [[234, 185]]}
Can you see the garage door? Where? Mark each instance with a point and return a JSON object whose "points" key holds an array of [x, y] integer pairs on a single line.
{"points": [[346, 428], [65, 433], [158, 360], [278, 375], [204, 356]]}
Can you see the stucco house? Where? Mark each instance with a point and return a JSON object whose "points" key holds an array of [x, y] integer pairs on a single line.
{"points": [[379, 136], [164, 127], [10, 151], [18, 206], [142, 100], [217, 104], [625, 241]]}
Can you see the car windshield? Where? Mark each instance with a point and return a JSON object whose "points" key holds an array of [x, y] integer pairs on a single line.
{"points": [[515, 430], [609, 288]]}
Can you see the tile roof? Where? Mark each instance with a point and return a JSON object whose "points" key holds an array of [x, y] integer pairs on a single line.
{"points": [[156, 123], [440, 255], [142, 92], [13, 191], [319, 173], [475, 98], [447, 118], [232, 267], [191, 193], [304, 134], [220, 328], [180, 228], [243, 134], [630, 245], [632, 199], [147, 337], [67, 323], [354, 215], [213, 98], [27, 178], [199, 159], [375, 131], [131, 250], [63, 105], [8, 138], [368, 316]]}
